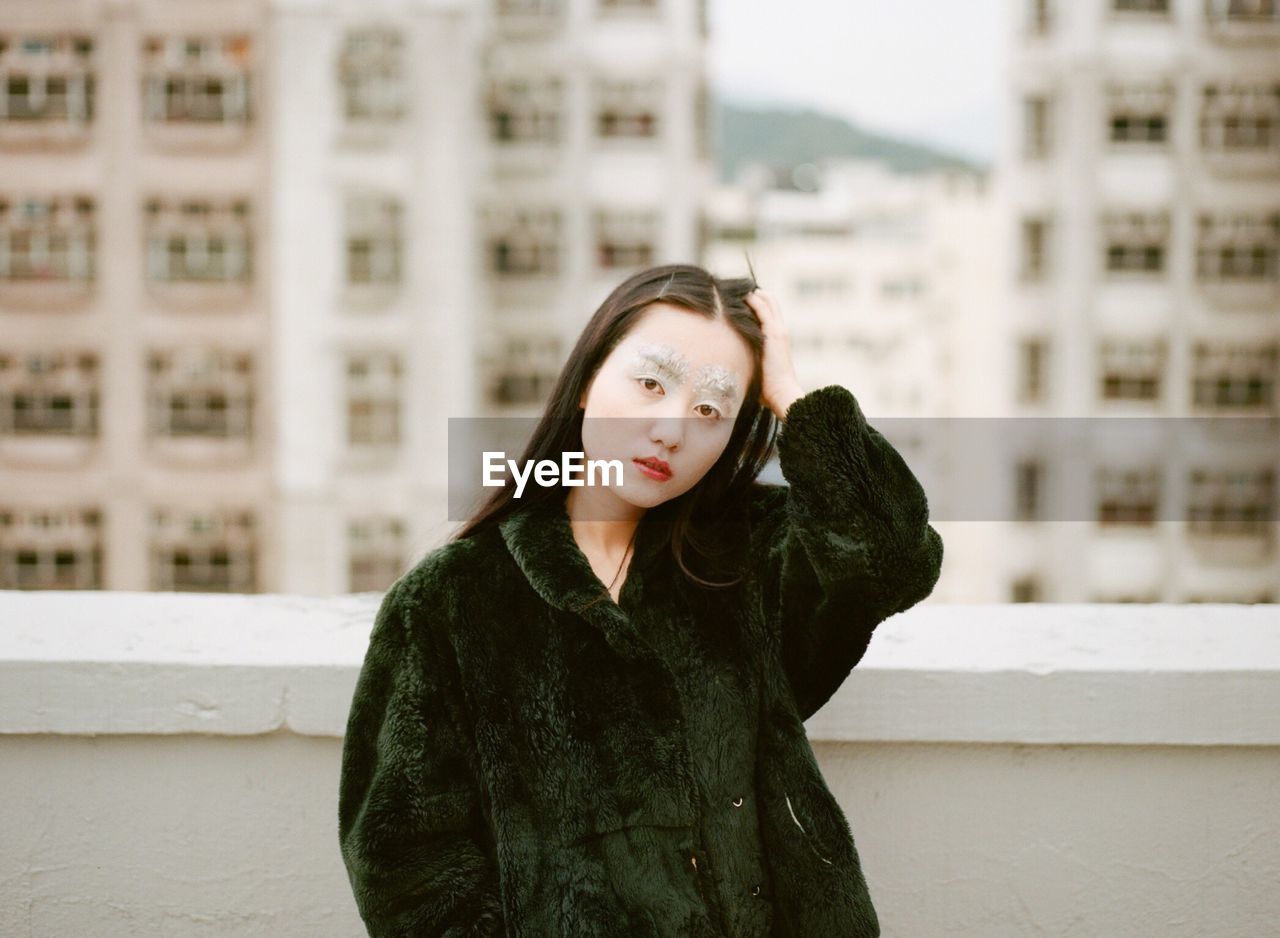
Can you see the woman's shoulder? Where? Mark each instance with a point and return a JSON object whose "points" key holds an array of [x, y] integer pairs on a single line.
{"points": [[427, 597], [447, 568], [765, 499], [431, 603]]}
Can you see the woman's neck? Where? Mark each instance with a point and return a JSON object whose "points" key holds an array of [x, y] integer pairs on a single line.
{"points": [[603, 526]]}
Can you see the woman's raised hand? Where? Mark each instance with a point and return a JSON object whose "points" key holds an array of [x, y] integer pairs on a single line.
{"points": [[779, 385]]}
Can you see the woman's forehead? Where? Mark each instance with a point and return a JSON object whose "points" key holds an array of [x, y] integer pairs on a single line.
{"points": [[675, 364], [685, 343]]}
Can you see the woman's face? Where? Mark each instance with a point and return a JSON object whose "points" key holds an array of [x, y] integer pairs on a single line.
{"points": [[671, 390]]}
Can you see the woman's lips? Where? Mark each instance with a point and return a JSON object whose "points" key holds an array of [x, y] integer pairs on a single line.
{"points": [[652, 471]]}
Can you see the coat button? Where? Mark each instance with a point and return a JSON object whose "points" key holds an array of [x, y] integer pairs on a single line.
{"points": [[755, 890], [737, 803], [694, 861]]}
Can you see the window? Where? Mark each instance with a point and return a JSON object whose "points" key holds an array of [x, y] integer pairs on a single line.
{"points": [[1228, 376], [375, 553], [1140, 6], [1220, 12], [1238, 248], [200, 393], [703, 121], [730, 231], [1035, 249], [1035, 127], [1135, 242], [1028, 478], [606, 7], [1248, 599], [1240, 118], [1131, 369], [1025, 589], [1039, 16], [1032, 355], [47, 238], [525, 110], [625, 239], [902, 287], [196, 79], [527, 7], [524, 370], [820, 286], [371, 76], [205, 552], [45, 79], [373, 399], [198, 241], [50, 548], [49, 394], [373, 235], [627, 109], [1128, 496], [1139, 113], [1231, 503], [523, 242]]}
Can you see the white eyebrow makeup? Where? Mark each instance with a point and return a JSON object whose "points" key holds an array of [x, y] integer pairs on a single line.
{"points": [[667, 361]]}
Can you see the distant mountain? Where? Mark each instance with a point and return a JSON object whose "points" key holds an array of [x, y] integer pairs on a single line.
{"points": [[790, 137]]}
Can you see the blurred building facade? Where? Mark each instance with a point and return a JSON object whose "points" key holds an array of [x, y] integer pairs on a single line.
{"points": [[135, 328], [1142, 167], [253, 254], [891, 286], [879, 273]]}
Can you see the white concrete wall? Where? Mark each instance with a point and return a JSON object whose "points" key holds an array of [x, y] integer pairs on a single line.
{"points": [[170, 766]]}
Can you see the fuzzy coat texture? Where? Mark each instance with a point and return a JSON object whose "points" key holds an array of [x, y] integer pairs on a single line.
{"points": [[516, 759]]}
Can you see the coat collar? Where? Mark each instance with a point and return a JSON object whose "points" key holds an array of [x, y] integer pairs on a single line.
{"points": [[541, 540]]}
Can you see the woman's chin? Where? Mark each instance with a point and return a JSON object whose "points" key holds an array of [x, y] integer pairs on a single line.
{"points": [[642, 499], [642, 493]]}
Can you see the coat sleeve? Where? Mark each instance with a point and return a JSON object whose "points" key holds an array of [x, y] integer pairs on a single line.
{"points": [[843, 546], [414, 836]]}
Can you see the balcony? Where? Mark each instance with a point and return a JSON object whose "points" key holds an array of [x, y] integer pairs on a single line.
{"points": [[528, 19], [170, 763], [1243, 21]]}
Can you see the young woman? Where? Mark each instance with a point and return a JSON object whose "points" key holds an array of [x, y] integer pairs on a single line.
{"points": [[584, 714]]}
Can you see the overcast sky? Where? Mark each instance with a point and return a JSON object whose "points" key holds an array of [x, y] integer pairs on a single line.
{"points": [[931, 72]]}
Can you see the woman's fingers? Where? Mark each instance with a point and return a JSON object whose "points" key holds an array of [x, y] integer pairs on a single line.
{"points": [[767, 310], [778, 385], [761, 302]]}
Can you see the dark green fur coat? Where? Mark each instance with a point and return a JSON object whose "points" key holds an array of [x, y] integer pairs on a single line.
{"points": [[515, 761]]}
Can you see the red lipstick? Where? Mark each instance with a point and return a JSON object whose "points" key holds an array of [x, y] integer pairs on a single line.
{"points": [[654, 468]]}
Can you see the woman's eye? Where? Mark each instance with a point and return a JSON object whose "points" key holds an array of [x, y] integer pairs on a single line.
{"points": [[653, 384]]}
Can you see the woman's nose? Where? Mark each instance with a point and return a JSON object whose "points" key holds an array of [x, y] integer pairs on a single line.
{"points": [[668, 431]]}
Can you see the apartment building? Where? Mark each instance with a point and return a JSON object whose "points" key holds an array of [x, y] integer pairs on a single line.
{"points": [[1143, 171], [483, 175], [596, 155], [255, 253], [135, 335], [890, 283], [374, 307], [875, 269]]}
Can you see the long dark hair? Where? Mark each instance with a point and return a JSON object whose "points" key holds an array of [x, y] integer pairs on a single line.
{"points": [[693, 514]]}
